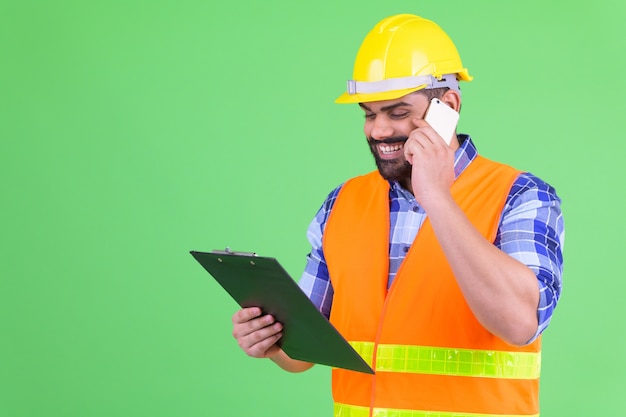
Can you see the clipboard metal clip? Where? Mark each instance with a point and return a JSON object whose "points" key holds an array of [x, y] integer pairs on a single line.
{"points": [[228, 251]]}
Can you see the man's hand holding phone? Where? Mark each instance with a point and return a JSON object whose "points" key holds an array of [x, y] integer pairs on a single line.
{"points": [[430, 155], [442, 118]]}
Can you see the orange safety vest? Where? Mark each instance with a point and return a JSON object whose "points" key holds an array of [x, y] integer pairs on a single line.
{"points": [[431, 356]]}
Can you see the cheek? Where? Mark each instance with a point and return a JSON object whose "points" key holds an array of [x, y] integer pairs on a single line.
{"points": [[367, 128], [405, 127]]}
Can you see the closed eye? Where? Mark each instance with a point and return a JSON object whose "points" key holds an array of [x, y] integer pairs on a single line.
{"points": [[399, 115]]}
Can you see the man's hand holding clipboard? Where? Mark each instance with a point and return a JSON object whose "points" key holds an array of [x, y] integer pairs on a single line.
{"points": [[274, 304]]}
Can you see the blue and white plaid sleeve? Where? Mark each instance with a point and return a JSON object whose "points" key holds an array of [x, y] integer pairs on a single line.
{"points": [[315, 281], [531, 231]]}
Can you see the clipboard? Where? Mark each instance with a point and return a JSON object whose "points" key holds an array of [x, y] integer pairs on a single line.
{"points": [[255, 281]]}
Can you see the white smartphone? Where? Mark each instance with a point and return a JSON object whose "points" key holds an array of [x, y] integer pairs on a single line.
{"points": [[442, 118]]}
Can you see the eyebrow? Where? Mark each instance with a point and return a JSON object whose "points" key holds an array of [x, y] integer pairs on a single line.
{"points": [[387, 108]]}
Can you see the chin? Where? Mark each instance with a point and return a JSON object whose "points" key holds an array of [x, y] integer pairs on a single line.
{"points": [[394, 170]]}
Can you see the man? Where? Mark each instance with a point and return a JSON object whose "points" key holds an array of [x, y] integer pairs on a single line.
{"points": [[441, 268]]}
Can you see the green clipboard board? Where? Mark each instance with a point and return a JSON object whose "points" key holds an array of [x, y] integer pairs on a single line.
{"points": [[255, 281]]}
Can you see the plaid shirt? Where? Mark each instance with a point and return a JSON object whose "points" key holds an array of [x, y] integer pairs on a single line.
{"points": [[531, 231]]}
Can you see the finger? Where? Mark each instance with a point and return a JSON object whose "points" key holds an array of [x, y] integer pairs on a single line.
{"points": [[418, 140], [264, 347], [429, 131], [246, 314], [248, 327], [412, 147], [260, 340], [419, 123]]}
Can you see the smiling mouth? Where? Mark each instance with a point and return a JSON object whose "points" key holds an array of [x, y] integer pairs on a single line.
{"points": [[386, 149]]}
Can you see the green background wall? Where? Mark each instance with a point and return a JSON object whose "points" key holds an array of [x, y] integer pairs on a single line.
{"points": [[134, 131]]}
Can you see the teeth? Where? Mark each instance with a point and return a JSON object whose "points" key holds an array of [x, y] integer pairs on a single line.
{"points": [[387, 149]]}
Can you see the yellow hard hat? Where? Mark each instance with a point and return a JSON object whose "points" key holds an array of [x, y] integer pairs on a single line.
{"points": [[402, 54]]}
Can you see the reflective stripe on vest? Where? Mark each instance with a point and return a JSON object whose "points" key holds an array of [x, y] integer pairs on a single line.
{"points": [[345, 410], [451, 361]]}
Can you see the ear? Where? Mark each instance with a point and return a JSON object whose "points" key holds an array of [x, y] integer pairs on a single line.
{"points": [[453, 99]]}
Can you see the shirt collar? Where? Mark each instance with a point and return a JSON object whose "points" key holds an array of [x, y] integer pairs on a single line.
{"points": [[464, 155]]}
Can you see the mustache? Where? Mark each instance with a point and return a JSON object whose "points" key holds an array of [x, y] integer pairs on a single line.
{"points": [[388, 141]]}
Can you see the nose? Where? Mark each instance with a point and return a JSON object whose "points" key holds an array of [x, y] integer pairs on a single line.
{"points": [[381, 129]]}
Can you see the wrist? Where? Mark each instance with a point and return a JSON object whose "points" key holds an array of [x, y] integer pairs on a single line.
{"points": [[436, 202]]}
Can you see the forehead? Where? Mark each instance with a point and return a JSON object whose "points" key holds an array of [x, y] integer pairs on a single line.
{"points": [[410, 100]]}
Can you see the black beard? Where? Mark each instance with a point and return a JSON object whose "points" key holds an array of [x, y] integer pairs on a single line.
{"points": [[397, 169]]}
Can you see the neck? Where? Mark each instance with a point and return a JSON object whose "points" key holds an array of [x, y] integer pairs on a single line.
{"points": [[406, 184]]}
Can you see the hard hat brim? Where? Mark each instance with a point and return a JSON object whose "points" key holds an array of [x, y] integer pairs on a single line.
{"points": [[347, 98]]}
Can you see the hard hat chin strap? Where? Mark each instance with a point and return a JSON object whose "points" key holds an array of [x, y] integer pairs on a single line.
{"points": [[402, 83]]}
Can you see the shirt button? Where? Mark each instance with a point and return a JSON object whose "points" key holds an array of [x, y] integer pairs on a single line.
{"points": [[406, 249], [416, 209]]}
